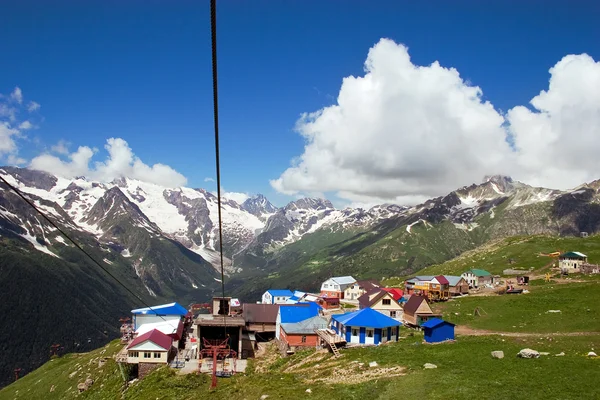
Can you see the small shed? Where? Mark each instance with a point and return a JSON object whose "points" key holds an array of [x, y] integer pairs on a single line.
{"points": [[438, 330]]}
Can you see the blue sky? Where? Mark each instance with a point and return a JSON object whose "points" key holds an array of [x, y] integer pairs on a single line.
{"points": [[141, 70]]}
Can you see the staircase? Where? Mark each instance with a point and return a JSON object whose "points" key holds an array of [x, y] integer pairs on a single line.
{"points": [[121, 356], [332, 339]]}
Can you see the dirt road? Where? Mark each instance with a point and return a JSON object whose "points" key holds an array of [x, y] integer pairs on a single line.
{"points": [[466, 331]]}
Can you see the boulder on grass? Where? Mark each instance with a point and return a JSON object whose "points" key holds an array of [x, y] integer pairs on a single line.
{"points": [[498, 354], [528, 353]]}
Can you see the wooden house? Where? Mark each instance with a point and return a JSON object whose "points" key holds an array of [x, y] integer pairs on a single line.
{"points": [[302, 334], [457, 285], [381, 301], [336, 286], [571, 262], [328, 303], [438, 330], [417, 310], [365, 326], [260, 317]]}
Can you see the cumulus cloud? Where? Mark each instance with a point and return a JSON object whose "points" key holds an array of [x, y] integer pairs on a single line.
{"points": [[238, 197], [11, 127], [121, 162], [398, 133], [558, 142], [404, 133]]}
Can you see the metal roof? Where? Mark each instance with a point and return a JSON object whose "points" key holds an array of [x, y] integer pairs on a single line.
{"points": [[573, 254], [413, 304], [154, 336], [280, 292], [305, 327], [291, 313], [367, 317], [432, 323], [163, 309], [442, 280], [260, 313], [168, 327], [453, 280], [479, 272], [343, 280]]}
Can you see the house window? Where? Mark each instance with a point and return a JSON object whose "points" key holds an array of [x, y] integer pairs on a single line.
{"points": [[325, 285], [156, 355], [393, 314], [303, 339], [134, 354], [147, 354], [355, 332], [386, 302], [370, 332]]}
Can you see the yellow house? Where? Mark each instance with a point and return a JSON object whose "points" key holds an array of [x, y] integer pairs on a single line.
{"points": [[152, 347]]}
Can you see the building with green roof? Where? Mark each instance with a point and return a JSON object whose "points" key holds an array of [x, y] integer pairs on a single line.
{"points": [[478, 277]]}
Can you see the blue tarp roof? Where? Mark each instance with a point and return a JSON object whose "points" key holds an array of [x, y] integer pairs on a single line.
{"points": [[294, 313], [163, 309], [280, 292], [366, 317], [432, 323]]}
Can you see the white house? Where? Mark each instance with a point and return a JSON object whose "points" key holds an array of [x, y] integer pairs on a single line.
{"points": [[336, 286], [276, 296], [477, 277], [571, 261], [152, 347]]}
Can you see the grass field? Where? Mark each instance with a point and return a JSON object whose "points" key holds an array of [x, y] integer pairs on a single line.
{"points": [[465, 370], [579, 305]]}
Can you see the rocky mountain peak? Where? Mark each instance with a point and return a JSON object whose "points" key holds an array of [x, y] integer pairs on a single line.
{"points": [[32, 178], [258, 205], [309, 204]]}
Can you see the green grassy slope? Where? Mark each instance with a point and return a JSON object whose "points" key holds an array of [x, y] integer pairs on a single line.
{"points": [[465, 370]]}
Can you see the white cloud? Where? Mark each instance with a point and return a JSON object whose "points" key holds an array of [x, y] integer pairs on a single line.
{"points": [[558, 143], [238, 197], [33, 106], [62, 147], [404, 133], [121, 162], [11, 127], [17, 95], [208, 179], [25, 125], [401, 132]]}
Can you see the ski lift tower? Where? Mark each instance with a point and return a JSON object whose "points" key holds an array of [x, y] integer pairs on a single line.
{"points": [[218, 350]]}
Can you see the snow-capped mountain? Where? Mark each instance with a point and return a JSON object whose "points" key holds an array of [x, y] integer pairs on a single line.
{"points": [[190, 216]]}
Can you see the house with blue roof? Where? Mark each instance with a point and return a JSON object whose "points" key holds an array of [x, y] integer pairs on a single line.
{"points": [[276, 296], [292, 313], [366, 326], [437, 330], [160, 313]]}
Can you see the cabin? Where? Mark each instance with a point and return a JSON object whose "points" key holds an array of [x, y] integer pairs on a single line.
{"points": [[296, 297], [438, 330], [157, 314], [571, 261], [329, 303], [260, 317], [396, 293], [292, 313], [302, 334], [414, 285], [366, 326], [477, 277], [381, 301], [457, 285], [417, 310], [276, 296], [336, 286], [358, 288], [149, 351]]}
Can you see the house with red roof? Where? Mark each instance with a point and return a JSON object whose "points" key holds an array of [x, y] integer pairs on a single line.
{"points": [[150, 350], [381, 301], [397, 293]]}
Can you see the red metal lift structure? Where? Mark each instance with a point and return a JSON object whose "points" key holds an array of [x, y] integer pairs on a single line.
{"points": [[217, 350]]}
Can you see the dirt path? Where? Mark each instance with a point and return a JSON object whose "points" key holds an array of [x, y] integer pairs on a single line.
{"points": [[466, 331]]}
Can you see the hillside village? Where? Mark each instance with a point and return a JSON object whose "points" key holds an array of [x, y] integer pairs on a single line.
{"points": [[220, 337]]}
